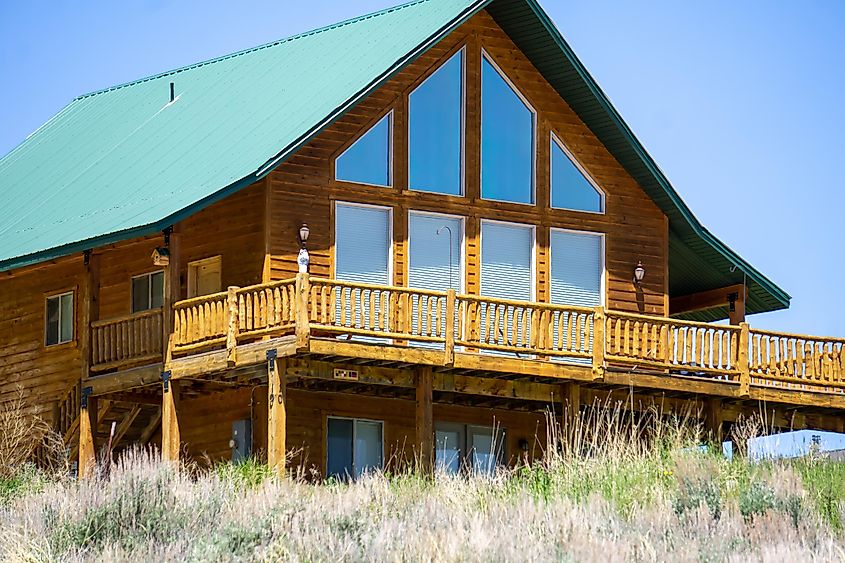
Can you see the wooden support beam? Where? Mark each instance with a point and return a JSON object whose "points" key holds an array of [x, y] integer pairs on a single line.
{"points": [[425, 419], [172, 292], [707, 300], [150, 429], [126, 424], [713, 421], [171, 440], [570, 405], [90, 309], [277, 414], [88, 422]]}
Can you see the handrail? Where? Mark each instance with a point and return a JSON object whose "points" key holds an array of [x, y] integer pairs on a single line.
{"points": [[309, 307], [127, 340]]}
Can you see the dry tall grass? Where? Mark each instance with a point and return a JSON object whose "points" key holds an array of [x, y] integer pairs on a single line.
{"points": [[611, 488]]}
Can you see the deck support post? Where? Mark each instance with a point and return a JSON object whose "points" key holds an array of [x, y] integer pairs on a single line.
{"points": [[276, 413], [171, 440], [425, 420], [87, 435], [172, 291], [302, 329], [713, 421], [90, 309]]}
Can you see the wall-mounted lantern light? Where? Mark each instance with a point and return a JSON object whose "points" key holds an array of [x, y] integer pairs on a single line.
{"points": [[303, 260], [161, 256], [639, 273], [304, 231]]}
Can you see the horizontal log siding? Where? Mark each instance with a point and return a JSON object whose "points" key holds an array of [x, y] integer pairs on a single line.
{"points": [[206, 424], [303, 188]]}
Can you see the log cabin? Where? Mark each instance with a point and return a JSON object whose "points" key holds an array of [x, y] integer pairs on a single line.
{"points": [[404, 236]]}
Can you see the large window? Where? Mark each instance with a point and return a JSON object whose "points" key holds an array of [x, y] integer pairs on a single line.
{"points": [[353, 447], [572, 187], [506, 260], [435, 253], [368, 159], [479, 449], [577, 268], [362, 243], [435, 130], [507, 139], [147, 291], [59, 319]]}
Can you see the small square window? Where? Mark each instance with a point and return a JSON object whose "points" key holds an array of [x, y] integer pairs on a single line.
{"points": [[147, 291], [59, 319]]}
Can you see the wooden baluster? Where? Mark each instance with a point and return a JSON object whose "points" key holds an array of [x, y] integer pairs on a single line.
{"points": [[589, 331], [373, 317], [817, 368], [462, 312], [232, 324], [449, 334], [771, 345], [665, 350], [809, 367]]}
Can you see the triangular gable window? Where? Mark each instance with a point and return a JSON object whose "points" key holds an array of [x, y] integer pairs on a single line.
{"points": [[507, 138], [572, 188], [367, 160]]}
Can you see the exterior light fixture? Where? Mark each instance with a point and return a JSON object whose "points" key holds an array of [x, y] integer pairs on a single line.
{"points": [[639, 273], [304, 231], [303, 260], [161, 256]]}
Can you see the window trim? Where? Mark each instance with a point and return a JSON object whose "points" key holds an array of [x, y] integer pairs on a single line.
{"points": [[534, 128], [391, 180], [462, 259], [555, 140], [60, 342], [603, 245], [533, 229], [463, 52], [354, 420], [149, 291], [391, 226]]}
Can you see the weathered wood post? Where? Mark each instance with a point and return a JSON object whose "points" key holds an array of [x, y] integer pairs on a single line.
{"points": [[87, 434], [276, 412], [449, 348], [742, 362], [570, 405], [713, 421], [598, 343], [302, 330], [171, 436], [232, 325], [425, 419]]}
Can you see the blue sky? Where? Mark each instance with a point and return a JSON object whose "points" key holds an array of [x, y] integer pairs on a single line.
{"points": [[739, 102]]}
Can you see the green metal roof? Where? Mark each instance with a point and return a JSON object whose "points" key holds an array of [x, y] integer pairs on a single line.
{"points": [[125, 162]]}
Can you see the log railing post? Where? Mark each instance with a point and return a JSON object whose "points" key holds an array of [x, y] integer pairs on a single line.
{"points": [[742, 361], [598, 343], [172, 292], [171, 440], [232, 325], [449, 327], [303, 331]]}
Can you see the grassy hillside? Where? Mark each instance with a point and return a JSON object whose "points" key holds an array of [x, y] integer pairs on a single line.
{"points": [[609, 491]]}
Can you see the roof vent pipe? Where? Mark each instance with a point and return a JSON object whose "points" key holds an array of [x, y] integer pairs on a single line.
{"points": [[172, 94]]}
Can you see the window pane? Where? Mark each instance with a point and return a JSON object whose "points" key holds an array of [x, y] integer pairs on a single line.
{"points": [[435, 130], [52, 320], [362, 244], [576, 268], [570, 188], [157, 290], [506, 261], [367, 161], [368, 446], [507, 140], [448, 451], [140, 293], [485, 451], [339, 448], [66, 328], [435, 259]]}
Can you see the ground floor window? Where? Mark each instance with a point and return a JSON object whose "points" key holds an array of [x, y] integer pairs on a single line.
{"points": [[353, 447], [479, 449], [59, 319]]}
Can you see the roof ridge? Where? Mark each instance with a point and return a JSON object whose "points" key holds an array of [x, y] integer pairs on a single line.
{"points": [[253, 49]]}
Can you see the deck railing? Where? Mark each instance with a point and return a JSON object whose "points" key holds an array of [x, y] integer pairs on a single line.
{"points": [[388, 315], [123, 341]]}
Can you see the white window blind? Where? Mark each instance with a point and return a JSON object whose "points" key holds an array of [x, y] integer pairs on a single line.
{"points": [[435, 259], [576, 268], [506, 265], [362, 244]]}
